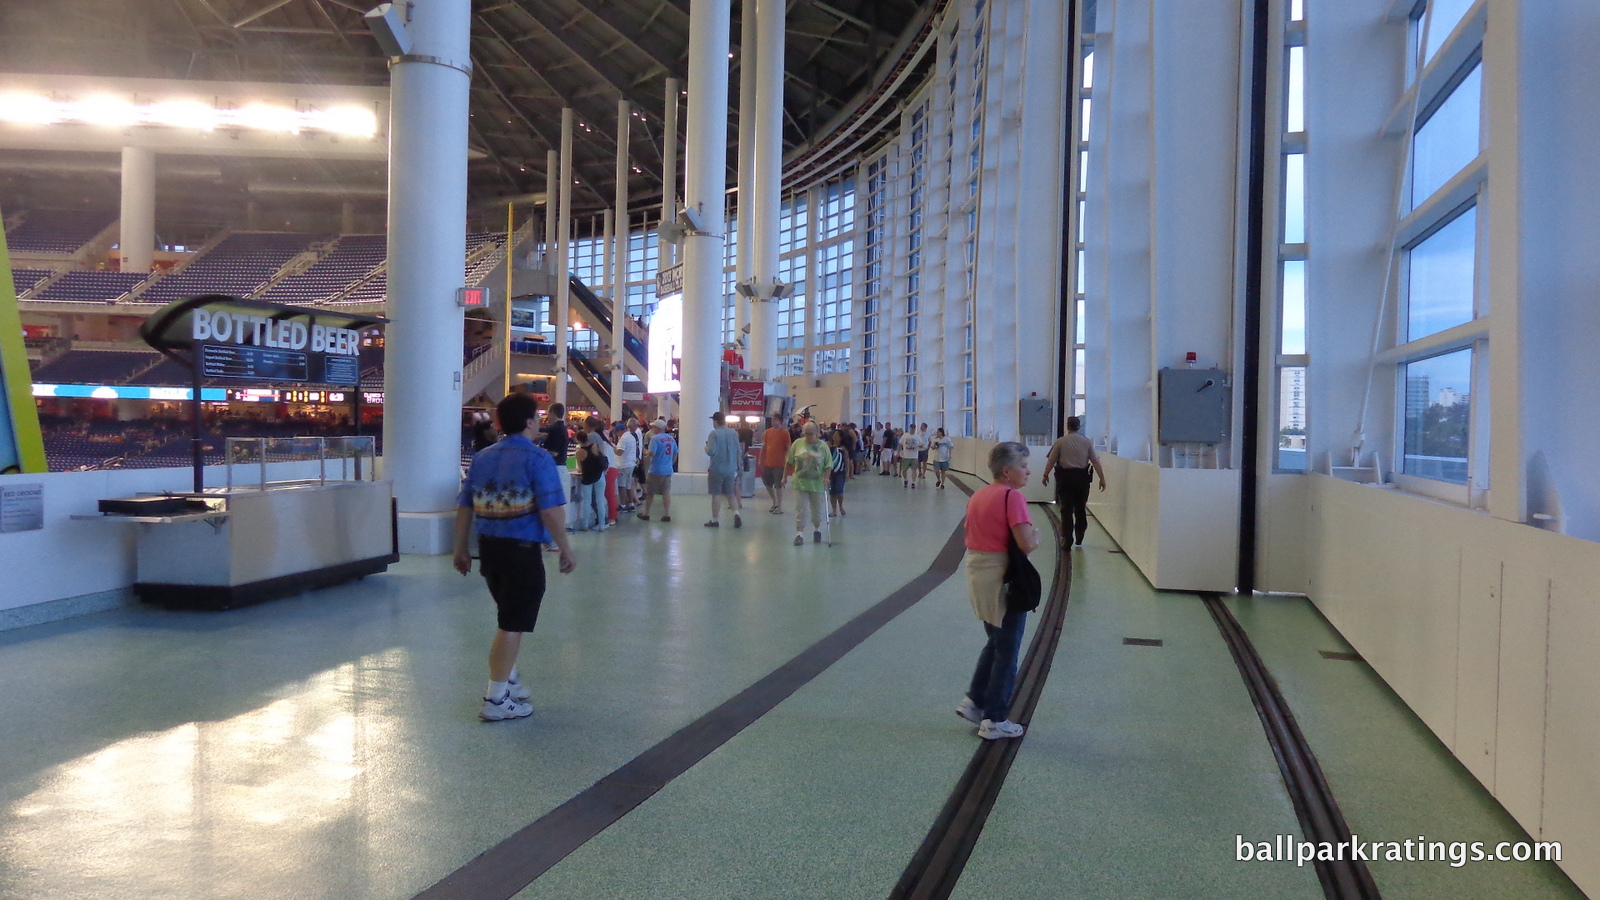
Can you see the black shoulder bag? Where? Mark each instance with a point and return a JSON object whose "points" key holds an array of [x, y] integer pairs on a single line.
{"points": [[1021, 585]]}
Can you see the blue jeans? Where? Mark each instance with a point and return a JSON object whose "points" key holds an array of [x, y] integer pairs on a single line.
{"points": [[591, 505], [996, 675]]}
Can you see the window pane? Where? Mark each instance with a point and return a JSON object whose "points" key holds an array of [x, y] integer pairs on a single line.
{"points": [[1437, 406], [1294, 198], [1297, 10], [1441, 277], [1449, 139], [1446, 13], [1294, 307], [1295, 118], [1292, 418]]}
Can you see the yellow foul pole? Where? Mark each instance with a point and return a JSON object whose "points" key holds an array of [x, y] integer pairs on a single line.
{"points": [[21, 445]]}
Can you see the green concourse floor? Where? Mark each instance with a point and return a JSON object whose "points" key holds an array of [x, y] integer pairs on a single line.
{"points": [[327, 746]]}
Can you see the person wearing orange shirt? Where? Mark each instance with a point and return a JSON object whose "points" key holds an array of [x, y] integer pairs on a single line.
{"points": [[774, 455]]}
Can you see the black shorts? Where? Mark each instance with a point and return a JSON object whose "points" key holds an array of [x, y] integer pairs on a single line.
{"points": [[514, 571]]}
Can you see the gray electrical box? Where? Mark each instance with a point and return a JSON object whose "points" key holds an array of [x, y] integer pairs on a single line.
{"points": [[1196, 406], [1034, 416]]}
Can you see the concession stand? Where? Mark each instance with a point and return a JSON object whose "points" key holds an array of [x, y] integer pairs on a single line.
{"points": [[254, 538]]}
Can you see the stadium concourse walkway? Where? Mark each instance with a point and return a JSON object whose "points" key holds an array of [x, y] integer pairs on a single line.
{"points": [[699, 734]]}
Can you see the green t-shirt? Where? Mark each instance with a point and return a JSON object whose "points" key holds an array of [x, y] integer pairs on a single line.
{"points": [[811, 463]]}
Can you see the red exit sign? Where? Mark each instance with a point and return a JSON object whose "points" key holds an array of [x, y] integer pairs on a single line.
{"points": [[474, 297]]}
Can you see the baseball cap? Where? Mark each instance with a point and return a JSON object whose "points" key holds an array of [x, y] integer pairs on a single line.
{"points": [[659, 423]]}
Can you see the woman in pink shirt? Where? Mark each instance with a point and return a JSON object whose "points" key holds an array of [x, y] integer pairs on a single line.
{"points": [[995, 515]]}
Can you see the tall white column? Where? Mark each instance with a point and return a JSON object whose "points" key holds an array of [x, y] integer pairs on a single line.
{"points": [[427, 243], [767, 168], [563, 297], [619, 281], [669, 171], [704, 185], [743, 267], [1038, 244], [552, 192], [138, 228]]}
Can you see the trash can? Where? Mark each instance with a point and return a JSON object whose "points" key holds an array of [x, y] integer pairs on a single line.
{"points": [[747, 478]]}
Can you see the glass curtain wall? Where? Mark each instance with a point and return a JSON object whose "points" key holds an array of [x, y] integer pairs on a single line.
{"points": [[919, 256], [1293, 249], [1439, 339]]}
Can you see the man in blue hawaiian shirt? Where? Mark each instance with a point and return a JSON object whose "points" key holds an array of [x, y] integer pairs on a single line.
{"points": [[514, 492]]}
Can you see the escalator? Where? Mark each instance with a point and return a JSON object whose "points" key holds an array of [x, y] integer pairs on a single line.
{"points": [[598, 314], [588, 379]]}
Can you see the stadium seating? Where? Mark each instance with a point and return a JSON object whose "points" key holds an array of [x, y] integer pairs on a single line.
{"points": [[241, 263], [352, 259], [56, 231], [86, 286], [94, 366], [26, 278]]}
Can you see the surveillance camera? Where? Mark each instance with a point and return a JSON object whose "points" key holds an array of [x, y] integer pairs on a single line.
{"points": [[386, 26], [690, 217], [672, 232]]}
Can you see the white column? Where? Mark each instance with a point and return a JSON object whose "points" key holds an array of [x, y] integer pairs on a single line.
{"points": [[552, 192], [1040, 160], [563, 296], [427, 244], [669, 172], [607, 256], [742, 268], [619, 281], [767, 168], [704, 184], [138, 228]]}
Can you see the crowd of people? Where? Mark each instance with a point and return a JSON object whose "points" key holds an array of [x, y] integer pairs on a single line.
{"points": [[515, 497]]}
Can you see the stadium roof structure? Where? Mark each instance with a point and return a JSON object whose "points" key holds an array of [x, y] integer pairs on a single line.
{"points": [[848, 64]]}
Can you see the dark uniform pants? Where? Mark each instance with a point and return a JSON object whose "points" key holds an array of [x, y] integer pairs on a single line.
{"points": [[1072, 496]]}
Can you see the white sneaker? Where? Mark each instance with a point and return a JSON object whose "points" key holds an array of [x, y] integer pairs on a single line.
{"points": [[504, 708], [991, 730], [519, 691], [968, 710]]}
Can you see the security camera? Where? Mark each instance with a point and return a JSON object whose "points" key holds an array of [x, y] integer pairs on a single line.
{"points": [[672, 232], [690, 218], [386, 26]]}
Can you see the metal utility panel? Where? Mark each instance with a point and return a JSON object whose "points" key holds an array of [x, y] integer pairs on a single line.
{"points": [[1035, 416], [1196, 406]]}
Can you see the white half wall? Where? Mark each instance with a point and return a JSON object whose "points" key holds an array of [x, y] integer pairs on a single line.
{"points": [[1487, 629], [1180, 527]]}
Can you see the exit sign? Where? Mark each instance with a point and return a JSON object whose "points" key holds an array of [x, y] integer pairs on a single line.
{"points": [[474, 297]]}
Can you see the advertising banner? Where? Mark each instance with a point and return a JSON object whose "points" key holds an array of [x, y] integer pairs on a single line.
{"points": [[666, 345], [747, 398]]}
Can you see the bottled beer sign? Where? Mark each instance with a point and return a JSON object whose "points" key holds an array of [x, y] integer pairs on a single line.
{"points": [[262, 348]]}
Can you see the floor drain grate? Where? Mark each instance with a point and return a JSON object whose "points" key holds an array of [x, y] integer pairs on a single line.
{"points": [[1340, 655], [1144, 642]]}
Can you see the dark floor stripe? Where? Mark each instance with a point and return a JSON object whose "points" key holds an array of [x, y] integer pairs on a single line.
{"points": [[1314, 803], [513, 864], [938, 863]]}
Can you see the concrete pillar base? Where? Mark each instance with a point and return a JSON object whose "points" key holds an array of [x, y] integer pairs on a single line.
{"points": [[427, 534]]}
